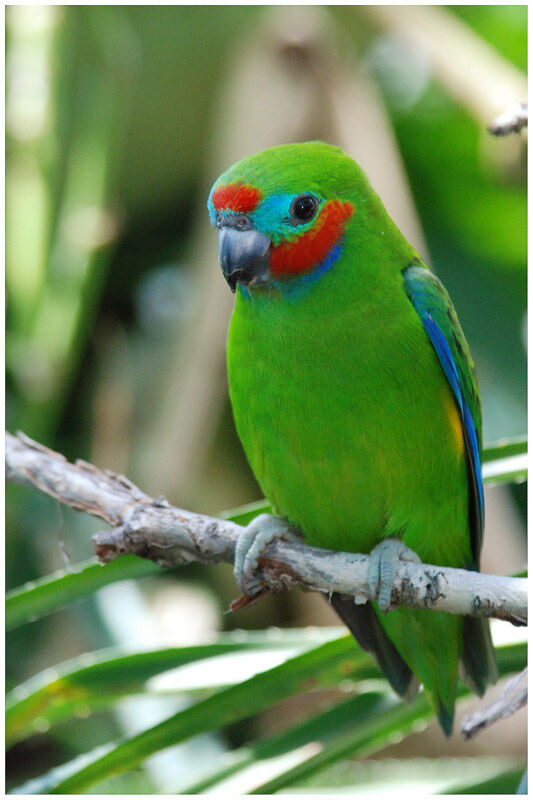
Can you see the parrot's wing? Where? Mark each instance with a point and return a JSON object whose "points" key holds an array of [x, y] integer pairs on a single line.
{"points": [[435, 309]]}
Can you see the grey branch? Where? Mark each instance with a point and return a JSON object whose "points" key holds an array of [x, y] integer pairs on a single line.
{"points": [[513, 698], [513, 120], [170, 536]]}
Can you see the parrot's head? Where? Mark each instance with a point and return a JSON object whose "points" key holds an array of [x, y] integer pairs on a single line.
{"points": [[283, 214]]}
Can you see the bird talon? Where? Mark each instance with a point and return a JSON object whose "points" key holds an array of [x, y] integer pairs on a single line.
{"points": [[382, 569], [250, 544]]}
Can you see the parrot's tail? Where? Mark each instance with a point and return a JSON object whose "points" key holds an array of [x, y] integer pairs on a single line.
{"points": [[478, 660], [363, 622]]}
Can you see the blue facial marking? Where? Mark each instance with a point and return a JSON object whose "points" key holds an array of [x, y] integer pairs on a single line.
{"points": [[294, 288]]}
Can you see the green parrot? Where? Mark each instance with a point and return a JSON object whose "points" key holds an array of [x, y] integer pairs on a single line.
{"points": [[355, 398]]}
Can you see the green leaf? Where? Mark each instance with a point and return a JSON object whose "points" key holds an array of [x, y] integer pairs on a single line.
{"points": [[94, 681], [326, 665], [357, 727], [323, 666], [505, 783], [505, 462], [371, 736], [505, 470], [38, 598], [378, 730], [504, 448], [245, 514], [321, 728]]}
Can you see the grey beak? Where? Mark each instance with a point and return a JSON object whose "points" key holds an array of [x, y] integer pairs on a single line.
{"points": [[243, 256]]}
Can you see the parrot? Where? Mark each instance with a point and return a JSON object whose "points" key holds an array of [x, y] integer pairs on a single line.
{"points": [[355, 398]]}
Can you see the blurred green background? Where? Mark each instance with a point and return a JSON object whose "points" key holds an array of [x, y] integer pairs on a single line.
{"points": [[119, 118]]}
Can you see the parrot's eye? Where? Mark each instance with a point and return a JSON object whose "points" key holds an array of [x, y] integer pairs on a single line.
{"points": [[241, 222], [303, 207]]}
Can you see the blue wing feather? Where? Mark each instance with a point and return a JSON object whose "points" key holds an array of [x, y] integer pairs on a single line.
{"points": [[434, 307]]}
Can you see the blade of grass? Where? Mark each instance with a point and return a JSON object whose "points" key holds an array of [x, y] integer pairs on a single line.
{"points": [[56, 694], [38, 598], [505, 462], [505, 783], [321, 727], [379, 730], [245, 514], [505, 470], [504, 448], [325, 665], [335, 660], [363, 740]]}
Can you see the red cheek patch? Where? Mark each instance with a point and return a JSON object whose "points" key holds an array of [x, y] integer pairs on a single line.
{"points": [[239, 197], [312, 247]]}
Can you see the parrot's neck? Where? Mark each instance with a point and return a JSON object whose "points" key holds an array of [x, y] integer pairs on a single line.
{"points": [[294, 288]]}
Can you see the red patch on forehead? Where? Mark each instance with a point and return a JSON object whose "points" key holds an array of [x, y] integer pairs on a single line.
{"points": [[312, 247], [238, 197]]}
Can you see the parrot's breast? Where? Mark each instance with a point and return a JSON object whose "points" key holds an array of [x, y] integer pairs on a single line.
{"points": [[349, 425]]}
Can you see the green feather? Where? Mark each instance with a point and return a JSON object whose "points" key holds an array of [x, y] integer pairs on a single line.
{"points": [[344, 411]]}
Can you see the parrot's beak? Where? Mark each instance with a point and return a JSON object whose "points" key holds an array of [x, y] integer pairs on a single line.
{"points": [[243, 256]]}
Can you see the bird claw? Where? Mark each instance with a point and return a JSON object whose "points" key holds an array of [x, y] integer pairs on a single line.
{"points": [[251, 543], [382, 568]]}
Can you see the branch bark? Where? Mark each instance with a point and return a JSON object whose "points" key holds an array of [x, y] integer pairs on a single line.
{"points": [[514, 697], [170, 536], [512, 120]]}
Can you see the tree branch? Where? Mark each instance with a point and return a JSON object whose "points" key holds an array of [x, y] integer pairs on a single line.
{"points": [[513, 120], [514, 697], [170, 536]]}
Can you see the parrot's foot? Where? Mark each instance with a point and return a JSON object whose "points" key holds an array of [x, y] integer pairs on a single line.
{"points": [[250, 544], [382, 569]]}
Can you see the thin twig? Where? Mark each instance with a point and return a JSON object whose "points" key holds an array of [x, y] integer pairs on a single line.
{"points": [[513, 698], [513, 120], [477, 75], [170, 536]]}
